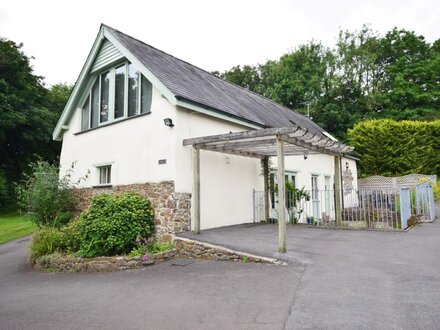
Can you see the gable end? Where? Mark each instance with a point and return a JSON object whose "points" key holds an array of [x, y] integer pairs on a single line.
{"points": [[107, 54]]}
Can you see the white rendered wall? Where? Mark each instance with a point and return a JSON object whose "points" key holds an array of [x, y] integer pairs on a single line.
{"points": [[133, 147], [320, 165], [226, 181]]}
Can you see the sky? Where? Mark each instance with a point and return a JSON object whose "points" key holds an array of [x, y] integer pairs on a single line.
{"points": [[213, 35]]}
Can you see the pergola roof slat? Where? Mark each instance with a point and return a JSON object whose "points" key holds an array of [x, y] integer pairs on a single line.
{"points": [[262, 143]]}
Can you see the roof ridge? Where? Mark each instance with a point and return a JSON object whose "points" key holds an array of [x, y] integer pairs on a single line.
{"points": [[210, 73]]}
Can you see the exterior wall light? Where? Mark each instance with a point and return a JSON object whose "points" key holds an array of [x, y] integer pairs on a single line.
{"points": [[346, 165], [168, 122], [306, 154]]}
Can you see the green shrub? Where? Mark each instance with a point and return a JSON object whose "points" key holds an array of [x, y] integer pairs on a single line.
{"points": [[113, 222], [46, 195], [71, 236], [394, 148], [47, 241], [146, 246]]}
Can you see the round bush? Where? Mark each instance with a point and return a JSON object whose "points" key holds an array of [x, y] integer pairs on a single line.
{"points": [[113, 222]]}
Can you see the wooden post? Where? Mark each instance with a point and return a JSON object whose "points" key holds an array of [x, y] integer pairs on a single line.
{"points": [[338, 212], [281, 197], [266, 188], [196, 189]]}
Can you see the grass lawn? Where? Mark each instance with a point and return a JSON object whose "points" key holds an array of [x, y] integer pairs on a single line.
{"points": [[13, 226]]}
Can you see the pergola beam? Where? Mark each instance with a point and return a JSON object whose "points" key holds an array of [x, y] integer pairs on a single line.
{"points": [[234, 152], [262, 144], [242, 135]]}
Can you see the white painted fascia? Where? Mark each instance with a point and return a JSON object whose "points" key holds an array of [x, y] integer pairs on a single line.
{"points": [[212, 113], [61, 125], [331, 137], [78, 90], [104, 33], [138, 64]]}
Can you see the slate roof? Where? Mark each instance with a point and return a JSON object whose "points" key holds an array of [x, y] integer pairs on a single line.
{"points": [[192, 84]]}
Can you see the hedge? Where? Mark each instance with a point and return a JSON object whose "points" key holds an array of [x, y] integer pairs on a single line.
{"points": [[393, 148]]}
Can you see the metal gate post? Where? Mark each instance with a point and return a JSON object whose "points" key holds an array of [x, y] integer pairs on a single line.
{"points": [[405, 207]]}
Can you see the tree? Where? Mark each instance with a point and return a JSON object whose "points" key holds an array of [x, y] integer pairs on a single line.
{"points": [[365, 76], [28, 115]]}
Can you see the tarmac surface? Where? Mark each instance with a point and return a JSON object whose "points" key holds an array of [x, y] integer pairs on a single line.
{"points": [[202, 295], [336, 279], [353, 279]]}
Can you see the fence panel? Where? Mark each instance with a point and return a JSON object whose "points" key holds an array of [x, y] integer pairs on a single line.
{"points": [[424, 208], [383, 209], [368, 209]]}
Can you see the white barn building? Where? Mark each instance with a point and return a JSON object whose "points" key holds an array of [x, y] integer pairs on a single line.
{"points": [[131, 109]]}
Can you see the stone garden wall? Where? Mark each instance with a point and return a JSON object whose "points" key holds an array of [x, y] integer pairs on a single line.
{"points": [[183, 248], [172, 210], [71, 264], [200, 250]]}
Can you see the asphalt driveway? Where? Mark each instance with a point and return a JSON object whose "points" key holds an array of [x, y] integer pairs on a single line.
{"points": [[203, 295], [353, 279]]}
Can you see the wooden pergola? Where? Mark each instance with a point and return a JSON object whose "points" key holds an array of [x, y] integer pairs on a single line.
{"points": [[262, 144]]}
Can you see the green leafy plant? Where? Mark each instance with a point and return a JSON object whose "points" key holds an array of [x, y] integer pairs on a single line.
{"points": [[46, 196], [394, 148], [45, 242], [111, 224], [295, 201], [146, 246], [72, 239]]}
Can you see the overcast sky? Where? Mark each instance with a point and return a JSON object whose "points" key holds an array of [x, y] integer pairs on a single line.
{"points": [[214, 35]]}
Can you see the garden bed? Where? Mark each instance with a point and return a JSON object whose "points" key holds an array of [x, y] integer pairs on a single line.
{"points": [[72, 264], [183, 248]]}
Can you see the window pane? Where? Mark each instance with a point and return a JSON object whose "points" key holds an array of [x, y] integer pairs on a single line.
{"points": [[119, 91], [105, 86], [146, 95], [133, 91], [105, 175], [85, 115], [95, 104]]}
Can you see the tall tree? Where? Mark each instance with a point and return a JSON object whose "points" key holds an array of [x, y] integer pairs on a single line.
{"points": [[27, 116], [365, 76]]}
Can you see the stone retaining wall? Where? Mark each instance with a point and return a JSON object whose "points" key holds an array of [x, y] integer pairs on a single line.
{"points": [[200, 250], [172, 211], [71, 264]]}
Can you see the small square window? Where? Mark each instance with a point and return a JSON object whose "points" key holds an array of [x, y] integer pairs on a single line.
{"points": [[105, 174]]}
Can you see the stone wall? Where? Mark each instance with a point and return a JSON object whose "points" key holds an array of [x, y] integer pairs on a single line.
{"points": [[172, 210], [200, 250], [71, 264], [183, 248]]}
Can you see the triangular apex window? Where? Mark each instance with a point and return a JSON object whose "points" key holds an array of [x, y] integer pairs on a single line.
{"points": [[119, 92]]}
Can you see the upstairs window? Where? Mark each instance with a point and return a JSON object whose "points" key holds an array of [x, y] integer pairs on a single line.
{"points": [[117, 93]]}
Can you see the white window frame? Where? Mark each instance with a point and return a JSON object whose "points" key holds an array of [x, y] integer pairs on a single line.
{"points": [[112, 91], [108, 174]]}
